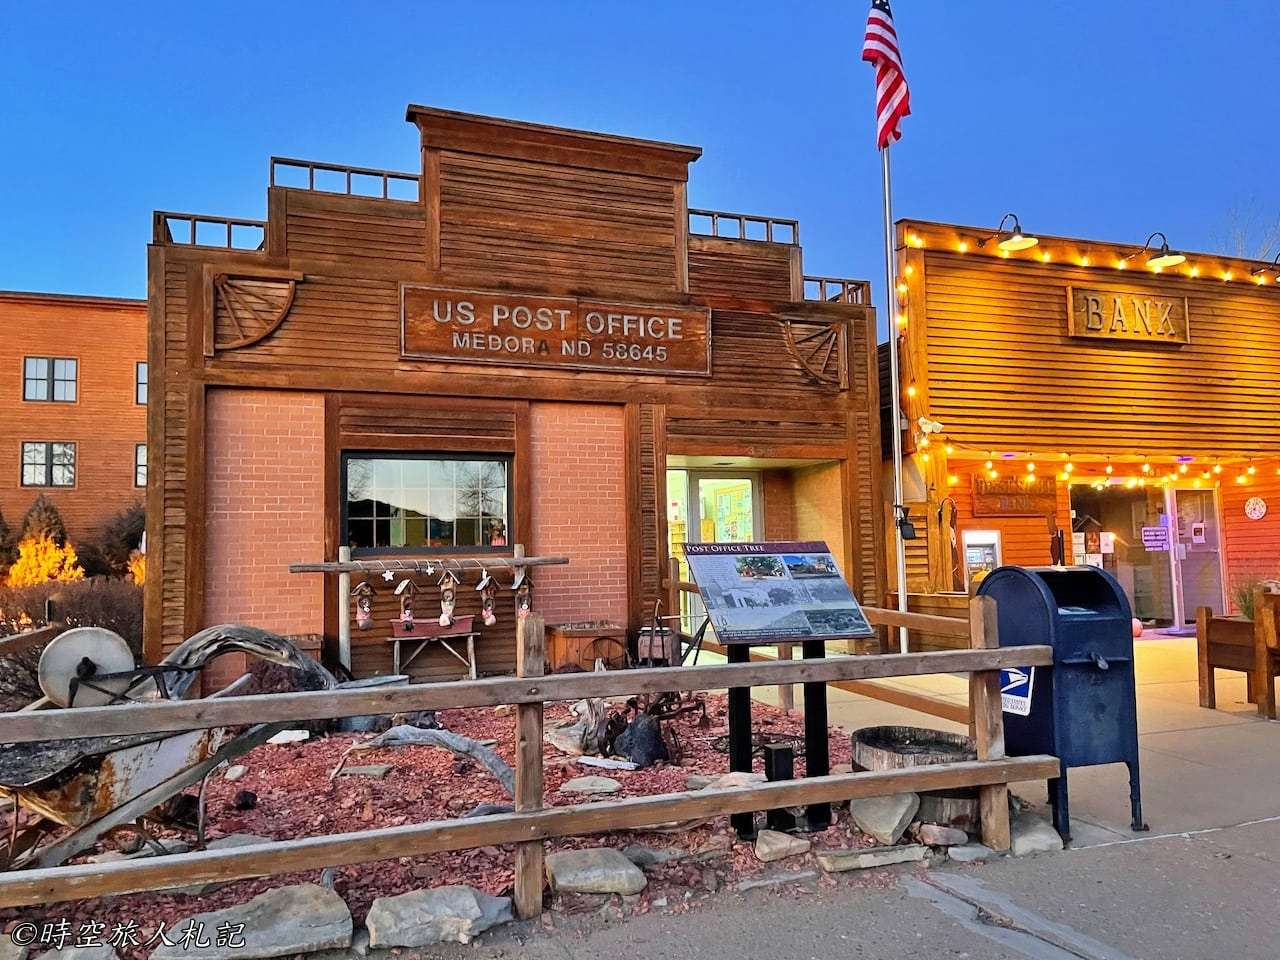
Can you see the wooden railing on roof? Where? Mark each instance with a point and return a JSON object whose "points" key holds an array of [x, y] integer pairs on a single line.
{"points": [[349, 177], [163, 222], [837, 290], [531, 823], [707, 223]]}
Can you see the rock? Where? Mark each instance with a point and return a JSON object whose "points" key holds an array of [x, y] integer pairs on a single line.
{"points": [[885, 818], [842, 768], [643, 856], [245, 800], [737, 778], [936, 835], [287, 920], [696, 781], [591, 785], [594, 870], [1032, 835], [970, 853], [488, 810], [773, 845], [102, 951], [290, 736], [838, 861], [777, 880], [222, 843], [360, 942], [235, 772], [377, 771], [453, 914]]}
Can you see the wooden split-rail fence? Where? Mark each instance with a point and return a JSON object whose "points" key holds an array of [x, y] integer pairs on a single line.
{"points": [[532, 824]]}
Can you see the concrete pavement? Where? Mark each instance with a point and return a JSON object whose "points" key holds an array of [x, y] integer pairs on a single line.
{"points": [[1200, 896]]}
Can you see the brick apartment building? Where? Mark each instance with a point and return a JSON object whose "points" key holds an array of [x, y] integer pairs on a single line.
{"points": [[73, 406]]}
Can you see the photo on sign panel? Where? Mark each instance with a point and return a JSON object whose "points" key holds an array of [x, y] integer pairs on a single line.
{"points": [[774, 592]]}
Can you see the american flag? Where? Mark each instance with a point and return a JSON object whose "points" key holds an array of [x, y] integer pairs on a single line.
{"points": [[893, 99]]}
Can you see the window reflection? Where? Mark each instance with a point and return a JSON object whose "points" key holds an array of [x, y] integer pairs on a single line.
{"points": [[425, 501]]}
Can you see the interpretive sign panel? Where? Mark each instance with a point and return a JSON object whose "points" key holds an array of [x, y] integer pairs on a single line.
{"points": [[517, 329], [775, 592]]}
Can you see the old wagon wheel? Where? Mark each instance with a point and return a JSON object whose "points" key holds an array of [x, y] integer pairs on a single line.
{"points": [[818, 346], [248, 309]]}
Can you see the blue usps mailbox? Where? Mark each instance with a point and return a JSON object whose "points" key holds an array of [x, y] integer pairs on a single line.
{"points": [[1083, 709]]}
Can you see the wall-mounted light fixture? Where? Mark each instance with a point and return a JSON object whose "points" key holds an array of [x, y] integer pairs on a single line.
{"points": [[1272, 268], [1010, 239], [1160, 258], [906, 529]]}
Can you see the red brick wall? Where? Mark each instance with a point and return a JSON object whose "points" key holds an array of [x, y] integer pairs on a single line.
{"points": [[1252, 547], [107, 337], [779, 505], [265, 494], [579, 510], [819, 510]]}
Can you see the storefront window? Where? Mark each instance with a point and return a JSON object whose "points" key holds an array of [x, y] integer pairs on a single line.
{"points": [[425, 501]]}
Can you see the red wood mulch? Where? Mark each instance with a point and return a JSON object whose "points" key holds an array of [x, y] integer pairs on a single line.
{"points": [[296, 799]]}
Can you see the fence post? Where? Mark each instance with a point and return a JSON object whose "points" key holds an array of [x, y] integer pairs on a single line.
{"points": [[344, 611], [530, 662], [988, 723]]}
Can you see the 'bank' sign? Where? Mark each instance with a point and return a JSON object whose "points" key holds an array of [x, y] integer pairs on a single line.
{"points": [[1127, 315], [536, 331]]}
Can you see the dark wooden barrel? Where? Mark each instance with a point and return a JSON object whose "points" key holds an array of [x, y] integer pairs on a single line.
{"points": [[895, 747]]}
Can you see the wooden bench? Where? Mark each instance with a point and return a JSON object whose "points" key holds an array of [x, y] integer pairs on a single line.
{"points": [[1249, 646]]}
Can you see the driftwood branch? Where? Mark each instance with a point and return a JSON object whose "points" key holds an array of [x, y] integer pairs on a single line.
{"points": [[410, 736]]}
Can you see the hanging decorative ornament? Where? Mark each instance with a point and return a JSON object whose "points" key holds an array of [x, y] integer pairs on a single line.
{"points": [[448, 597], [405, 590], [488, 588], [524, 597], [363, 595]]}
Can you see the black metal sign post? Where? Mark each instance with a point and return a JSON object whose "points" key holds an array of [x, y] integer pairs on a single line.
{"points": [[740, 745], [817, 753]]}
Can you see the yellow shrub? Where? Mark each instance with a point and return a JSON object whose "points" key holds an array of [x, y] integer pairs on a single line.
{"points": [[40, 560], [138, 567]]}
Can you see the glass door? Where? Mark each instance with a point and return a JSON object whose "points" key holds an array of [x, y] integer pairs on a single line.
{"points": [[705, 506], [1197, 547]]}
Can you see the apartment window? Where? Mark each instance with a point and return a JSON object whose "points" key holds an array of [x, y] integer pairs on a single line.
{"points": [[49, 378], [140, 382], [46, 464], [407, 502], [139, 464]]}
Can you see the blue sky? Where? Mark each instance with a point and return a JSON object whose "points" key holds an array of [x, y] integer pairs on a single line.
{"points": [[1094, 118]]}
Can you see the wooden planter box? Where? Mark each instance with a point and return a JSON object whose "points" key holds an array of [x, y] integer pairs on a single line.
{"points": [[580, 644]]}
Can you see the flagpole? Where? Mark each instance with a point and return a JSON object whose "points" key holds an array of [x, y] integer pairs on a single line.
{"points": [[895, 390]]}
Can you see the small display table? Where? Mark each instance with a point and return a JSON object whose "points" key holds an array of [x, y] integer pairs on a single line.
{"points": [[427, 632]]}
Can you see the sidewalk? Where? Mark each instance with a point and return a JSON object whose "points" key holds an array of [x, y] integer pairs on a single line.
{"points": [[1204, 896], [1200, 768]]}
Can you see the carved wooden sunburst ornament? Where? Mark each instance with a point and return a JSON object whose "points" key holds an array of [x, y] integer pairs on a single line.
{"points": [[819, 347], [246, 308]]}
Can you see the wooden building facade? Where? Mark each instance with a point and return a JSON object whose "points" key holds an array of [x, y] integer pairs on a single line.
{"points": [[1085, 386], [520, 343]]}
